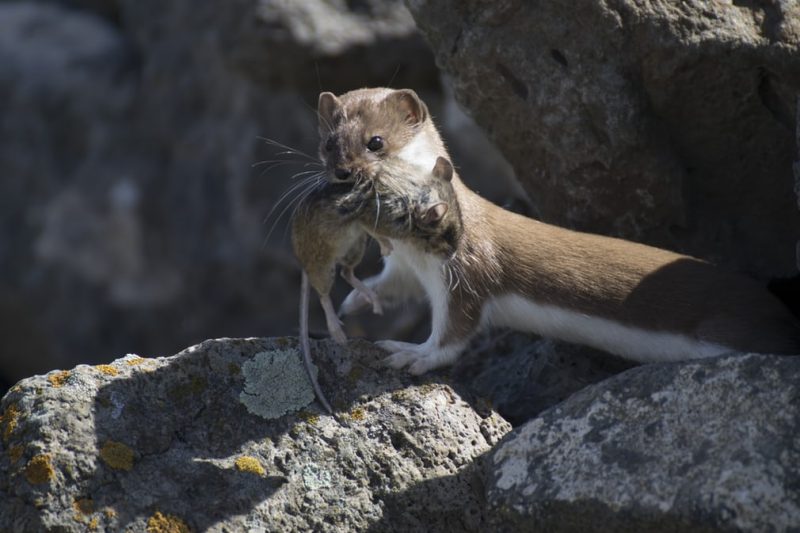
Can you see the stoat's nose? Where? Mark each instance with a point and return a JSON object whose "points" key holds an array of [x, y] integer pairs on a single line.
{"points": [[342, 173]]}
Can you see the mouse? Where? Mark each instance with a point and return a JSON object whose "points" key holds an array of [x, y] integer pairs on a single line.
{"points": [[331, 226]]}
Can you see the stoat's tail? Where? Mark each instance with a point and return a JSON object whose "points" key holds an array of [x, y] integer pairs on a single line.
{"points": [[305, 343]]}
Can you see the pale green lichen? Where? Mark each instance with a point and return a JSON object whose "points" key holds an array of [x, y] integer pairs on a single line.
{"points": [[275, 383]]}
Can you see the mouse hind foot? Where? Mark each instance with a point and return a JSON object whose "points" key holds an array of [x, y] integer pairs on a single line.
{"points": [[368, 294]]}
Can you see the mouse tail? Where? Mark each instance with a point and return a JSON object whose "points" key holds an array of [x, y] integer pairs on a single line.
{"points": [[305, 343]]}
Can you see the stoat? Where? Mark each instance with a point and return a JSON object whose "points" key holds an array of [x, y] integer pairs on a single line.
{"points": [[636, 301]]}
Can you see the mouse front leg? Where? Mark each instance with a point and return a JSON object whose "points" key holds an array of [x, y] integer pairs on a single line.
{"points": [[395, 284]]}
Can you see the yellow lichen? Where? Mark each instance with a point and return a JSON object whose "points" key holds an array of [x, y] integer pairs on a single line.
{"points": [[135, 361], [39, 470], [83, 505], [357, 414], [15, 453], [109, 512], [9, 419], [249, 464], [191, 388], [93, 523], [166, 523], [117, 455], [309, 417], [108, 370], [59, 378]]}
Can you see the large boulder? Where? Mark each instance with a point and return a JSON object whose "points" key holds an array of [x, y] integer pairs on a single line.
{"points": [[225, 436], [698, 446], [663, 123]]}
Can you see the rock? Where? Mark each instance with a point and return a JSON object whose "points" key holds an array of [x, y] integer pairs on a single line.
{"points": [[672, 126], [521, 375], [199, 441], [699, 446]]}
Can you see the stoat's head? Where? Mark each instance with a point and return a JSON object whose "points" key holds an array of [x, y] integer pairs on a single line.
{"points": [[362, 129]]}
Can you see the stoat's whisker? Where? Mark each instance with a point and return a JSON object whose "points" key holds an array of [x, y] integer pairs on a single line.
{"points": [[288, 149], [377, 209], [299, 189]]}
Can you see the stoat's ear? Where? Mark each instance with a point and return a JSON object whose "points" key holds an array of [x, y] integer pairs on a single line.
{"points": [[326, 107], [435, 213], [443, 170], [411, 106]]}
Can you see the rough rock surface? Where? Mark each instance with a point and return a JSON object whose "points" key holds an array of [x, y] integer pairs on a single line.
{"points": [[522, 375], [169, 442], [700, 446], [131, 215], [664, 122]]}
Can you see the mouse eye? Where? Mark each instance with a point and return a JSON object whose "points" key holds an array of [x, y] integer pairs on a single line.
{"points": [[329, 144], [375, 144]]}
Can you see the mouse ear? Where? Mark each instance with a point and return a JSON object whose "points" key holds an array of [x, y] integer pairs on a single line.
{"points": [[326, 107], [410, 105], [435, 213], [443, 169]]}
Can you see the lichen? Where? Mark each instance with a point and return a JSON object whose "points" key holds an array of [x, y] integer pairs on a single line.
{"points": [[308, 417], [59, 378], [249, 464], [117, 455], [193, 387], [276, 383], [166, 523], [9, 420], [109, 512], [355, 375], [93, 523], [39, 470], [15, 453], [108, 370], [357, 414], [135, 360], [83, 505]]}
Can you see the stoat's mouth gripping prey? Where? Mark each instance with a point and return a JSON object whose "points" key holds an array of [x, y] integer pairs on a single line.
{"points": [[636, 301]]}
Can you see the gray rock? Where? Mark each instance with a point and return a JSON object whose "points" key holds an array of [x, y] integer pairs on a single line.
{"points": [[664, 124], [142, 443], [700, 446], [522, 375]]}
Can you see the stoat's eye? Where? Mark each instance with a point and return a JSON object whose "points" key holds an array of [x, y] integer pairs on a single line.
{"points": [[329, 144], [375, 144]]}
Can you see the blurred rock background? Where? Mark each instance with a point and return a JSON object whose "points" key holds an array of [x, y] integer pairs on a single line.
{"points": [[136, 195], [133, 202]]}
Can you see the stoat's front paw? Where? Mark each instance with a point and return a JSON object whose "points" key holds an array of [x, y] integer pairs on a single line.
{"points": [[405, 354]]}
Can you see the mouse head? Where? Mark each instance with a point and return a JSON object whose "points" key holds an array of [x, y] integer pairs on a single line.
{"points": [[437, 217], [420, 207], [362, 129]]}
